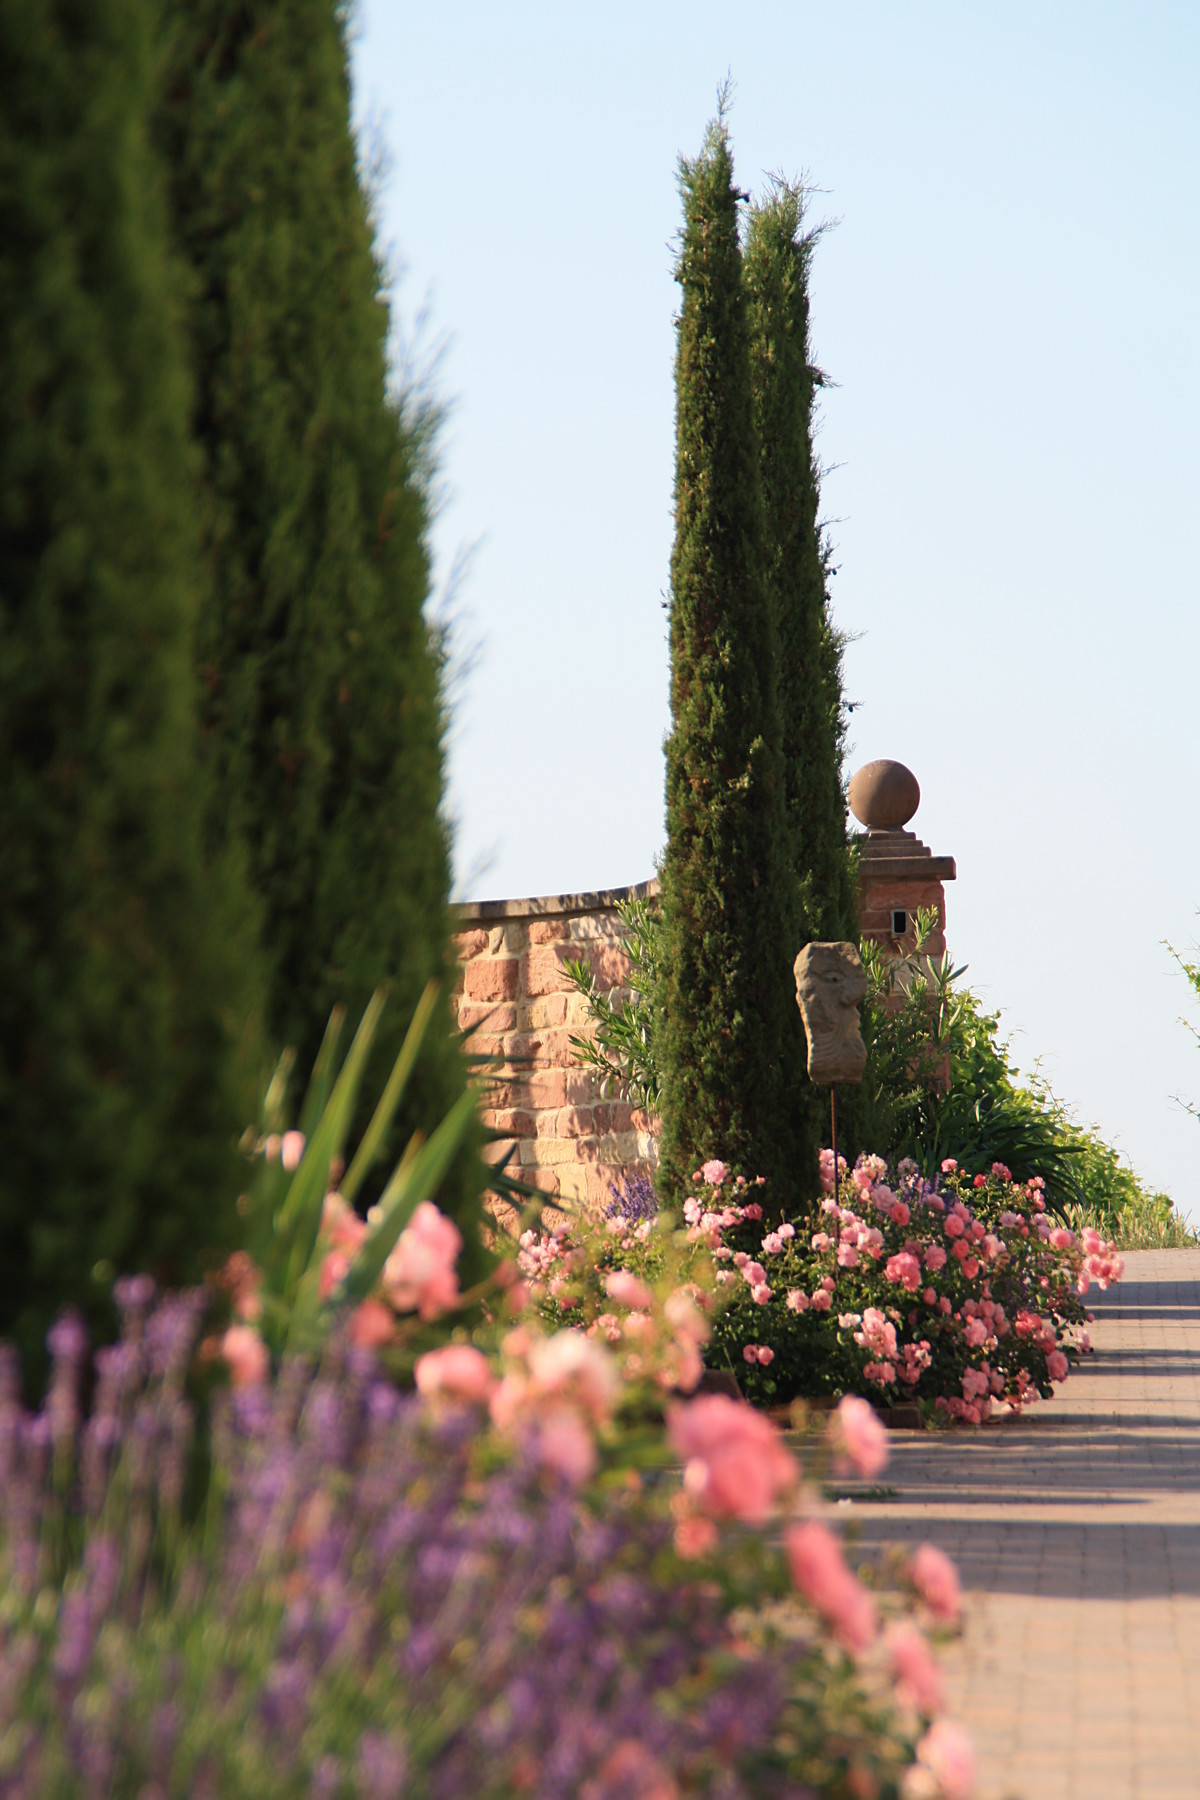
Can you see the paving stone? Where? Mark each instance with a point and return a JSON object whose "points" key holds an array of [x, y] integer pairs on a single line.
{"points": [[1076, 1530]]}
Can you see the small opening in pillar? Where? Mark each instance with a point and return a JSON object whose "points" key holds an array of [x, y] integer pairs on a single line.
{"points": [[899, 922]]}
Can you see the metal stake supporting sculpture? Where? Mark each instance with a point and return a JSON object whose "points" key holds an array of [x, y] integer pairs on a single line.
{"points": [[830, 984]]}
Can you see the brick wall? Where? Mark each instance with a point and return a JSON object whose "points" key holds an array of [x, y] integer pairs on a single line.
{"points": [[517, 1004]]}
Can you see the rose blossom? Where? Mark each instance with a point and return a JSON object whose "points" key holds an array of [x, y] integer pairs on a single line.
{"points": [[627, 1290], [714, 1172], [904, 1269], [918, 1678], [948, 1754], [860, 1437], [419, 1275], [248, 1357], [736, 1462], [457, 1370], [936, 1580], [1057, 1366], [818, 1570], [372, 1324], [797, 1300], [935, 1258]]}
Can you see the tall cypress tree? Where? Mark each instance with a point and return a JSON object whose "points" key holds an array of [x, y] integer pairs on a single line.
{"points": [[733, 1043], [126, 965], [812, 720], [323, 689]]}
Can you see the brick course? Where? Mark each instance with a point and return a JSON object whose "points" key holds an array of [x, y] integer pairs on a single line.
{"points": [[518, 1008]]}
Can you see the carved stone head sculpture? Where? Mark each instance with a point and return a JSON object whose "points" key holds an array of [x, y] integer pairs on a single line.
{"points": [[830, 983]]}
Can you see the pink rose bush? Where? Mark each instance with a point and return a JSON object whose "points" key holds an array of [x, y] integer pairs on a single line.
{"points": [[545, 1529], [958, 1294]]}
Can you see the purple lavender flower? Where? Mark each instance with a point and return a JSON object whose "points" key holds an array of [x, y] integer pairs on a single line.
{"points": [[633, 1198]]}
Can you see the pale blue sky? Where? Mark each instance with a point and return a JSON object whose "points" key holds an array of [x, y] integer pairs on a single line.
{"points": [[1009, 305]]}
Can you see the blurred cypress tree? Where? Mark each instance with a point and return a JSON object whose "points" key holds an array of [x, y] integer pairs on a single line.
{"points": [[127, 959], [732, 1039], [324, 703], [812, 721]]}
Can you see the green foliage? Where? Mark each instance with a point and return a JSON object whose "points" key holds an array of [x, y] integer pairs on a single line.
{"points": [[284, 1207], [812, 719], [624, 1049], [939, 1083], [324, 705], [127, 970], [732, 1044]]}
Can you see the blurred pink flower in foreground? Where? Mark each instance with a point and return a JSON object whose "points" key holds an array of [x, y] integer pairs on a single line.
{"points": [[818, 1569], [372, 1325], [420, 1275], [918, 1678], [458, 1371], [627, 1290], [860, 1437], [291, 1149], [248, 1358], [948, 1753], [736, 1462], [936, 1580]]}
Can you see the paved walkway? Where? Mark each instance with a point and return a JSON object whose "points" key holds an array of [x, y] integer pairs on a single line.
{"points": [[1076, 1530]]}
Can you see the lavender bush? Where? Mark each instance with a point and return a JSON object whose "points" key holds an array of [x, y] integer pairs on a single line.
{"points": [[378, 1594]]}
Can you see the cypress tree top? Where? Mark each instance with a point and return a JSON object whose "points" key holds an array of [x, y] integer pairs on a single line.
{"points": [[732, 1043], [778, 254]]}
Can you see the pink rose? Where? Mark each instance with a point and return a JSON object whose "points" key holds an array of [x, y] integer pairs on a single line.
{"points": [[1061, 1238], [372, 1325], [714, 1172], [1057, 1366], [419, 1275], [918, 1678], [565, 1444], [822, 1300], [248, 1357], [936, 1580], [736, 1462], [948, 1754], [935, 1258], [627, 1290], [458, 1371], [953, 1226], [340, 1224], [949, 1165], [695, 1537], [797, 1300], [818, 1570], [904, 1269], [860, 1437]]}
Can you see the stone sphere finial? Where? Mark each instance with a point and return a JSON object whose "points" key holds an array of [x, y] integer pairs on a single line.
{"points": [[884, 795]]}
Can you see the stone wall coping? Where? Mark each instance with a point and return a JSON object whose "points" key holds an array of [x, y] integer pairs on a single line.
{"points": [[551, 906], [908, 868]]}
